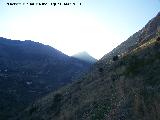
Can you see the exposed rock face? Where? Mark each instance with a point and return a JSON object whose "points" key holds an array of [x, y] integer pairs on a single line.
{"points": [[125, 89]]}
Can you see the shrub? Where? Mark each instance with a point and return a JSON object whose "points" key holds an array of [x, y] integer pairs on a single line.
{"points": [[100, 70], [158, 39], [115, 58]]}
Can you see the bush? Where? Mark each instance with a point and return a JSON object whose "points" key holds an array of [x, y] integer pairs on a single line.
{"points": [[100, 70], [115, 58], [158, 39]]}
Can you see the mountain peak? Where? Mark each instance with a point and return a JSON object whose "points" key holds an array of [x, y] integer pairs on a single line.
{"points": [[82, 53], [85, 57]]}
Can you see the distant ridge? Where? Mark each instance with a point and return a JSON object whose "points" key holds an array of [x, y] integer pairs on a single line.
{"points": [[85, 57]]}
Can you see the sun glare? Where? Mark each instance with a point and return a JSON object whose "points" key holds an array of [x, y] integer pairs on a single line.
{"points": [[67, 31]]}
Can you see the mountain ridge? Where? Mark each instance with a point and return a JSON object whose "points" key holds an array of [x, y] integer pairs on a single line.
{"points": [[29, 70], [125, 88]]}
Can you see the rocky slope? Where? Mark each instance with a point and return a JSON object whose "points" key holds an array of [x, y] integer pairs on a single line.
{"points": [[125, 88], [29, 70], [143, 35]]}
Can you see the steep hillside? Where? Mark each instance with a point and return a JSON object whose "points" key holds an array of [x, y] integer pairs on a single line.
{"points": [[29, 70], [125, 88], [85, 57], [143, 35]]}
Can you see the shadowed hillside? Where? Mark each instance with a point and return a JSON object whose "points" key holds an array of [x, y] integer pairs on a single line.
{"points": [[29, 70]]}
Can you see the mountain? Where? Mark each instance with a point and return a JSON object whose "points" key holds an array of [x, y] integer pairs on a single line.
{"points": [[118, 87], [85, 57], [29, 70]]}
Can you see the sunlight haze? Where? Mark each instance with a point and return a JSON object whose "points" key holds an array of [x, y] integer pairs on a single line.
{"points": [[94, 26]]}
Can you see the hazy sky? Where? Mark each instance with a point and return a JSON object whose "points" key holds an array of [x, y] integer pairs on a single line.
{"points": [[95, 26]]}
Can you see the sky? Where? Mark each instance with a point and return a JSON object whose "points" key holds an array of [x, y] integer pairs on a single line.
{"points": [[95, 26]]}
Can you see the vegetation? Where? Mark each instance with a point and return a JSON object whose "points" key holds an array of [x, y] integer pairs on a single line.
{"points": [[56, 105], [115, 57], [127, 89]]}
